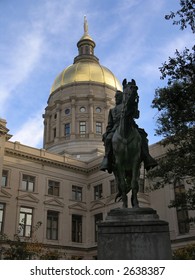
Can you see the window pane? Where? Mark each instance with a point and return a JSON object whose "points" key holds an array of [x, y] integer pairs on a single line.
{"points": [[24, 185], [4, 178], [30, 186], [2, 207], [22, 218], [56, 191], [28, 231], [28, 219]]}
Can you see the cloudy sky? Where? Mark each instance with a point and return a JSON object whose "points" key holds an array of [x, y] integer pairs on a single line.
{"points": [[38, 40]]}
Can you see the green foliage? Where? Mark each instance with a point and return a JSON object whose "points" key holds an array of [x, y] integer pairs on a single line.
{"points": [[176, 112], [20, 248], [185, 200], [185, 253], [185, 16], [27, 248]]}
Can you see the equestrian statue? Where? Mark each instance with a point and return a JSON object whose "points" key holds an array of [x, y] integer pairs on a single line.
{"points": [[126, 145]]}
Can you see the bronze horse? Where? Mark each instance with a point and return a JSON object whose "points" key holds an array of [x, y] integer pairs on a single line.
{"points": [[126, 143]]}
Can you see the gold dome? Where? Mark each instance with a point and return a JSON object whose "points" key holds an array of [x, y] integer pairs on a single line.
{"points": [[86, 67], [86, 71]]}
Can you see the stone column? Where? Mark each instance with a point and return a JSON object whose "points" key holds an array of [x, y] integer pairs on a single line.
{"points": [[91, 118], [133, 234], [47, 128], [73, 123], [58, 112]]}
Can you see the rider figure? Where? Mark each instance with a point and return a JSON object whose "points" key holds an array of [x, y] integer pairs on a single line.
{"points": [[113, 123]]}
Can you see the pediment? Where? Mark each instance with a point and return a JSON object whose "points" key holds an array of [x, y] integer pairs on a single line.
{"points": [[28, 197], [4, 193], [78, 206], [54, 202], [96, 205]]}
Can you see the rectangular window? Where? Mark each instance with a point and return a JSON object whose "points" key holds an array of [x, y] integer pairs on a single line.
{"points": [[67, 130], [98, 192], [52, 225], [98, 127], [113, 187], [54, 133], [182, 213], [4, 180], [183, 221], [25, 222], [77, 193], [82, 129], [97, 218], [28, 183], [53, 188], [2, 210], [77, 228]]}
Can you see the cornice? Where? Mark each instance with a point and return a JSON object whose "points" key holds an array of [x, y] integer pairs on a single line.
{"points": [[52, 162]]}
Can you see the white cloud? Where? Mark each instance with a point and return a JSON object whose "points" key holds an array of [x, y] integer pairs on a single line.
{"points": [[21, 60], [31, 132]]}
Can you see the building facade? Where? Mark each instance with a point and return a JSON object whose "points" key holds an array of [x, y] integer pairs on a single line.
{"points": [[61, 186]]}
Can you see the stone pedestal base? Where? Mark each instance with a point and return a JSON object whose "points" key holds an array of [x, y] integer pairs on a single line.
{"points": [[133, 234]]}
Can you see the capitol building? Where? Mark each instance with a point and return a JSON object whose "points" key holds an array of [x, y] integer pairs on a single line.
{"points": [[61, 185]]}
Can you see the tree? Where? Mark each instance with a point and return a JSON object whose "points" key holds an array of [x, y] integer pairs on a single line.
{"points": [[21, 248], [176, 118], [186, 15]]}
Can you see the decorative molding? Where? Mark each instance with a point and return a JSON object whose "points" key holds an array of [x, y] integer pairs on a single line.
{"points": [[97, 204], [28, 197], [31, 157], [54, 202], [78, 206], [4, 193]]}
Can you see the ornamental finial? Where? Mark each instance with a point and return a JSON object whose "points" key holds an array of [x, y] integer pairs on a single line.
{"points": [[85, 25]]}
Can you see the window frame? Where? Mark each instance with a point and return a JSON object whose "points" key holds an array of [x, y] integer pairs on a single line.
{"points": [[77, 193], [27, 182], [98, 127], [25, 228], [52, 229], [4, 185], [53, 187], [98, 191], [82, 128], [77, 228]]}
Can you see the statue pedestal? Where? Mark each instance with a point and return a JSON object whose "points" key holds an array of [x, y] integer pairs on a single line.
{"points": [[133, 234]]}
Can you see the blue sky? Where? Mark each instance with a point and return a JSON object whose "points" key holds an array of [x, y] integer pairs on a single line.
{"points": [[38, 40]]}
